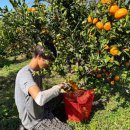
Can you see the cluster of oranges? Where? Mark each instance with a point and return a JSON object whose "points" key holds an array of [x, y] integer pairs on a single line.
{"points": [[117, 12], [109, 75], [114, 10], [99, 24], [116, 78]]}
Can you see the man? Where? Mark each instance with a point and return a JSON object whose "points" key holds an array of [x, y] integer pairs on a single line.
{"points": [[34, 104]]}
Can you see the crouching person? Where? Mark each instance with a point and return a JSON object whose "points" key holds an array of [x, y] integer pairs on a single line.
{"points": [[34, 104]]}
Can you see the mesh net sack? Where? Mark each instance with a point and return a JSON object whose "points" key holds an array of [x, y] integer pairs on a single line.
{"points": [[78, 106]]}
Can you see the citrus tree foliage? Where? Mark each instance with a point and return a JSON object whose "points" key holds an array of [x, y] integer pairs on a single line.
{"points": [[98, 56], [92, 42], [24, 27]]}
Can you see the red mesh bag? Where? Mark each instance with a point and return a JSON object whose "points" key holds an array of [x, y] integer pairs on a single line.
{"points": [[78, 108]]}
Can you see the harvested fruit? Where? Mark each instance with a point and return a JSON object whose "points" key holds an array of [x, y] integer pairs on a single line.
{"points": [[73, 85]]}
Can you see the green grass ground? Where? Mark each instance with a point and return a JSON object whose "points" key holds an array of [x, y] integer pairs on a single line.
{"points": [[114, 115]]}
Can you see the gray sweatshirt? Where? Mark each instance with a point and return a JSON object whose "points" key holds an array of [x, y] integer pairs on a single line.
{"points": [[29, 112]]}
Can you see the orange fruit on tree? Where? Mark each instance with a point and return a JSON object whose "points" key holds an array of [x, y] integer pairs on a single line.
{"points": [[114, 51], [99, 25], [99, 75], [33, 9], [127, 63], [105, 1], [117, 78], [95, 20], [90, 20], [107, 26], [113, 8], [29, 9], [120, 13]]}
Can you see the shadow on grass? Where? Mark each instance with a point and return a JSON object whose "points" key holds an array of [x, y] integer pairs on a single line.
{"points": [[8, 112], [9, 116], [9, 61]]}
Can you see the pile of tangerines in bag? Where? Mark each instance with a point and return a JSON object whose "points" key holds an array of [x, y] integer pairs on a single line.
{"points": [[114, 10], [75, 94], [73, 90], [78, 102]]}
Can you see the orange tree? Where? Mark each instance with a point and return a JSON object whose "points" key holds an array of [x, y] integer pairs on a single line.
{"points": [[91, 37], [92, 40], [23, 27]]}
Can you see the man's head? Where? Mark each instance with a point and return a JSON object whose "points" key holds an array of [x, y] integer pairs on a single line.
{"points": [[43, 55]]}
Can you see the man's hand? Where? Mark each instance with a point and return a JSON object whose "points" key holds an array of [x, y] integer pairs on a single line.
{"points": [[61, 87]]}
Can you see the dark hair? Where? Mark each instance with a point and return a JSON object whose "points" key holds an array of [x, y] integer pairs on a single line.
{"points": [[46, 50]]}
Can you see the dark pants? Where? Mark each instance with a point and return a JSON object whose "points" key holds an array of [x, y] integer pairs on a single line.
{"points": [[50, 121]]}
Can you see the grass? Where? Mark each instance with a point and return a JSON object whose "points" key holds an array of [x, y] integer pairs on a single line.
{"points": [[114, 115]]}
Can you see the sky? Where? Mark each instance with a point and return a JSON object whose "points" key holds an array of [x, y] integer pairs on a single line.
{"points": [[6, 2]]}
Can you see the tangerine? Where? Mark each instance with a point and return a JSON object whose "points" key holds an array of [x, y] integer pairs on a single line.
{"points": [[73, 85], [107, 26], [99, 25], [90, 20], [114, 51], [120, 13], [99, 75], [95, 20], [113, 8], [105, 1], [117, 78]]}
